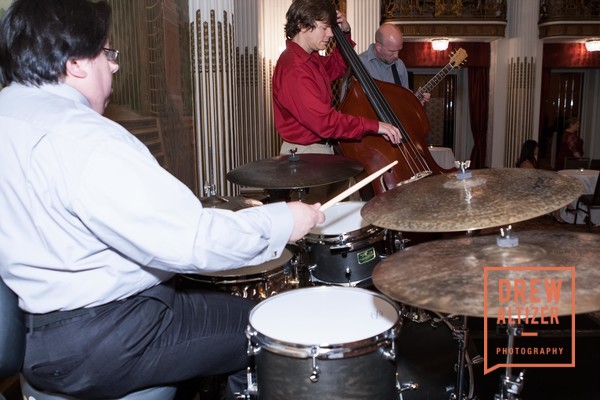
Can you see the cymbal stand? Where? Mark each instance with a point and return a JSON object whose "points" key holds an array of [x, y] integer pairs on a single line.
{"points": [[461, 334], [300, 194], [510, 385], [210, 190]]}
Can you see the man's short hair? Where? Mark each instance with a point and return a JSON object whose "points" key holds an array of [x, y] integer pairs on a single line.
{"points": [[37, 37]]}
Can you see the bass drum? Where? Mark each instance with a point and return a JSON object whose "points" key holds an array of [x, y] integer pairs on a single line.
{"points": [[324, 342], [256, 282], [427, 354]]}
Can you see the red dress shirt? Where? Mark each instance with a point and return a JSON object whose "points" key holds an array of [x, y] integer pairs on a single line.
{"points": [[302, 98]]}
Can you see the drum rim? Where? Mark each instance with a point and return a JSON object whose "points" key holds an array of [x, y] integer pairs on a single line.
{"points": [[237, 272], [343, 237], [325, 350]]}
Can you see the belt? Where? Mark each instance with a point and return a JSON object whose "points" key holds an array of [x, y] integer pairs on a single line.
{"points": [[328, 142], [33, 321]]}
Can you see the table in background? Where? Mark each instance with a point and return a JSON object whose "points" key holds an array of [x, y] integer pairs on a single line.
{"points": [[588, 177], [443, 156]]}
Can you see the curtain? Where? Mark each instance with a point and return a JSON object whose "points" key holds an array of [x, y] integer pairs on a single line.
{"points": [[478, 106]]}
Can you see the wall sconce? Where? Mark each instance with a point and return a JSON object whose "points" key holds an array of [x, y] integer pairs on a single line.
{"points": [[439, 44], [593, 45]]}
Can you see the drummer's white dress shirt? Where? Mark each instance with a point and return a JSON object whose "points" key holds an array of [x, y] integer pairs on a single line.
{"points": [[88, 216]]}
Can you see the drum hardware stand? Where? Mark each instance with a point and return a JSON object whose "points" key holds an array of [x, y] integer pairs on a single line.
{"points": [[394, 241], [295, 157], [461, 334], [414, 314], [510, 385], [403, 387], [295, 280]]}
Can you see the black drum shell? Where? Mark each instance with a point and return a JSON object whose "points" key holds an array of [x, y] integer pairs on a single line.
{"points": [[368, 376]]}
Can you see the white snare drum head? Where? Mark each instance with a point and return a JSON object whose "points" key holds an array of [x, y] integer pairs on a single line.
{"points": [[324, 316], [270, 265], [341, 218]]}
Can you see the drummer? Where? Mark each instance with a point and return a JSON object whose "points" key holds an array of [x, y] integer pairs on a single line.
{"points": [[93, 229], [303, 113]]}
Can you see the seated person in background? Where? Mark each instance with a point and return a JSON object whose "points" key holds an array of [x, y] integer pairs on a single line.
{"points": [[93, 229], [381, 58], [571, 145], [529, 154]]}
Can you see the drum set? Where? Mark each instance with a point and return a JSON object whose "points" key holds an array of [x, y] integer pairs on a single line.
{"points": [[331, 310]]}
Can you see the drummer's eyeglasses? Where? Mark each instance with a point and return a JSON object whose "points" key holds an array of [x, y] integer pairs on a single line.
{"points": [[111, 54]]}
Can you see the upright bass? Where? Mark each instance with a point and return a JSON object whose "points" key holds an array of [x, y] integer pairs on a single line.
{"points": [[392, 104]]}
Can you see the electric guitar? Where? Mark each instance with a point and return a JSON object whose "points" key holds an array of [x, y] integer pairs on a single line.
{"points": [[456, 60]]}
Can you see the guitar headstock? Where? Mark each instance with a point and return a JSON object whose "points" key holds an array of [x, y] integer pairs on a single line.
{"points": [[458, 57]]}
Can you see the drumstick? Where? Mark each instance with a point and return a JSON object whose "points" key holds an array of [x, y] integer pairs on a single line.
{"points": [[356, 187]]}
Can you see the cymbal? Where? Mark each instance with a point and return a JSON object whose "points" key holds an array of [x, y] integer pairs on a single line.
{"points": [[490, 198], [229, 203], [283, 172], [448, 275]]}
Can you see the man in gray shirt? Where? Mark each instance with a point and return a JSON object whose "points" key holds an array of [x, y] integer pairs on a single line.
{"points": [[381, 58]]}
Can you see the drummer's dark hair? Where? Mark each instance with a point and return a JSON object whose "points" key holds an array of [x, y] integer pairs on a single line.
{"points": [[305, 14], [38, 37]]}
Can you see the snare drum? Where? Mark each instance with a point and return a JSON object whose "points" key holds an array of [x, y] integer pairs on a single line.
{"points": [[324, 342], [255, 282], [344, 249]]}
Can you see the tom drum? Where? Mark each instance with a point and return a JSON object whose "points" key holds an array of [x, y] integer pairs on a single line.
{"points": [[324, 342], [344, 249], [255, 282]]}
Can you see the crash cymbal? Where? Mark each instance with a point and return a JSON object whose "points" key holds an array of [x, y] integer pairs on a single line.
{"points": [[448, 275], [228, 203], [283, 172], [490, 198]]}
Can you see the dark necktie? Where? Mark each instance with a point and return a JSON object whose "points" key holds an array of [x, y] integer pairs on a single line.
{"points": [[395, 73]]}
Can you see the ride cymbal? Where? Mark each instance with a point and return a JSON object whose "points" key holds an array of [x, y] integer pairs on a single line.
{"points": [[448, 275], [295, 172], [490, 198]]}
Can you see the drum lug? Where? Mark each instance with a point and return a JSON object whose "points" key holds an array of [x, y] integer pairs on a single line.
{"points": [[348, 273], [315, 372], [344, 246], [389, 355], [252, 350]]}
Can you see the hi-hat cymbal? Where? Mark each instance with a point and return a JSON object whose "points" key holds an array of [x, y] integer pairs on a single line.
{"points": [[228, 203], [448, 275], [283, 172], [490, 198]]}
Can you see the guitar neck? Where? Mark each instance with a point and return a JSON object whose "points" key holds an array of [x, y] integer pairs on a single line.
{"points": [[433, 82]]}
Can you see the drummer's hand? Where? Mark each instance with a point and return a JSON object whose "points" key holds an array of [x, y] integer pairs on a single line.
{"points": [[342, 22], [390, 132], [305, 217]]}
